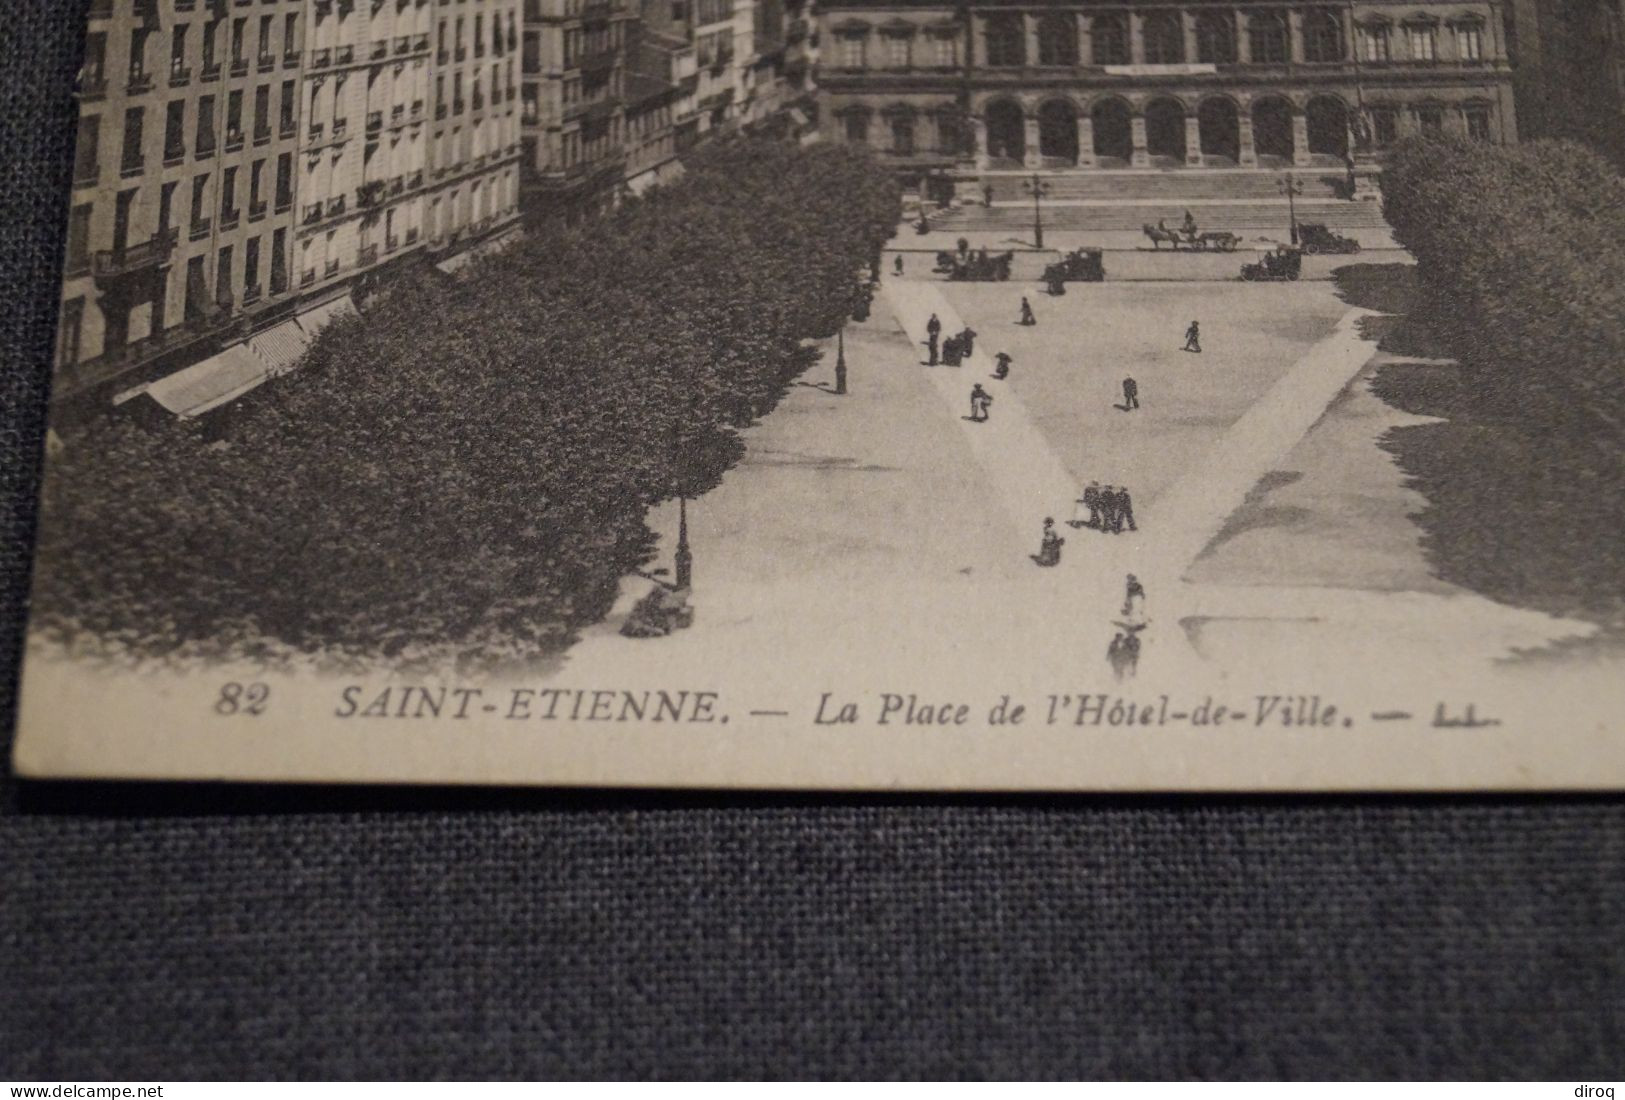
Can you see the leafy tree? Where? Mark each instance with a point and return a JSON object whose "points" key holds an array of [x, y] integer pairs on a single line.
{"points": [[466, 467]]}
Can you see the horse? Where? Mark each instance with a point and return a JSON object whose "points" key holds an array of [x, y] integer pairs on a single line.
{"points": [[1158, 234]]}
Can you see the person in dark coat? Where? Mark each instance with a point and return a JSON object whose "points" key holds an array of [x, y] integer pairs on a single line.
{"points": [[1027, 317], [1132, 590], [1001, 368], [1049, 547], [967, 341], [897, 264], [1131, 394], [1091, 501], [1111, 516], [933, 329], [1193, 338], [980, 399], [1125, 510]]}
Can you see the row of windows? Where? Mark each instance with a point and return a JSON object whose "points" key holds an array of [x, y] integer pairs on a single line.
{"points": [[951, 136], [500, 42], [94, 72], [207, 132], [1268, 39]]}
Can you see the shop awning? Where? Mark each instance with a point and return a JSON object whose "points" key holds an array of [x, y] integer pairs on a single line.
{"points": [[280, 346], [211, 383], [314, 320]]}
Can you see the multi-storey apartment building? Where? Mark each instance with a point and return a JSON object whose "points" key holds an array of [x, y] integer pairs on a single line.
{"points": [[182, 221], [1115, 83], [474, 155], [574, 74], [363, 151], [661, 122], [242, 165]]}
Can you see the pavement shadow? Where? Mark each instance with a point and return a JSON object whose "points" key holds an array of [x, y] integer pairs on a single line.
{"points": [[1391, 289]]}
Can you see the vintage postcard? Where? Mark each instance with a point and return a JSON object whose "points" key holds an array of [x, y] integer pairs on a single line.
{"points": [[872, 394]]}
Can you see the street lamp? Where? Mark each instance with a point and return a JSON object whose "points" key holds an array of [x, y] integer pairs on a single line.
{"points": [[840, 360], [685, 557], [1037, 188], [1291, 188]]}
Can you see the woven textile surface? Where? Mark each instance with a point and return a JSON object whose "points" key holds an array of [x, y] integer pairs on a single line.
{"points": [[164, 933]]}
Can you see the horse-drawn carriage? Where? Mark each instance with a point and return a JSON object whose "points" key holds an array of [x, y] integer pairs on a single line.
{"points": [[1283, 265], [975, 267], [1315, 237], [1082, 265], [1212, 241]]}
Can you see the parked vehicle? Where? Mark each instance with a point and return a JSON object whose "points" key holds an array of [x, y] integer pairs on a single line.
{"points": [[1282, 265], [1314, 237], [976, 267], [1081, 265], [1217, 240]]}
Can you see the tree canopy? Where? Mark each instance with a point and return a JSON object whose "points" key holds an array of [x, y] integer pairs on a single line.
{"points": [[465, 467]]}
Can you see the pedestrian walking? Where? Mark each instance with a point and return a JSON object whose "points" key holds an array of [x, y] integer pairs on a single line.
{"points": [[933, 327], [1111, 520], [987, 194], [897, 264], [1001, 367], [1027, 317], [1125, 510], [1131, 394], [1049, 546], [1193, 338], [1091, 501], [980, 399]]}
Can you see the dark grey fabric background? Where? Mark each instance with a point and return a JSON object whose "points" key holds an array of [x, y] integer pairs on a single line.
{"points": [[206, 932]]}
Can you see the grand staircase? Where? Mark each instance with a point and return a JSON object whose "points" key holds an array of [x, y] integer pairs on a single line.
{"points": [[1236, 199]]}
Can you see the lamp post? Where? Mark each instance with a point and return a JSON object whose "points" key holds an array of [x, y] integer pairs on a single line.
{"points": [[1291, 188], [1037, 188], [840, 360]]}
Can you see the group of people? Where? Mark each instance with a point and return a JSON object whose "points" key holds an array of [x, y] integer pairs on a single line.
{"points": [[1110, 509], [952, 351]]}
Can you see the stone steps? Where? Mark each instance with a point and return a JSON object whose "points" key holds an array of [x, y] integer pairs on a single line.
{"points": [[1171, 185], [1231, 216]]}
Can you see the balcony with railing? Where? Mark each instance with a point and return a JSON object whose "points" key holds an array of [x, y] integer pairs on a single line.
{"points": [[340, 127], [267, 62], [229, 219], [321, 59], [179, 75], [256, 210], [307, 278], [335, 206], [234, 140], [148, 255], [368, 255], [375, 122], [379, 50], [332, 267], [140, 83], [403, 45], [239, 66], [317, 129], [313, 213], [344, 55], [262, 132], [210, 73], [289, 126], [200, 228]]}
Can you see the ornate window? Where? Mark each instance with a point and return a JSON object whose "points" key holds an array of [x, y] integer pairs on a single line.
{"points": [[1267, 38], [1164, 38], [1373, 41], [950, 133], [896, 47], [945, 50], [1423, 40], [1058, 39], [856, 123], [1470, 40], [852, 50], [1477, 118], [902, 132], [1006, 41], [1110, 40], [1322, 36], [1430, 119], [1384, 126], [1215, 39]]}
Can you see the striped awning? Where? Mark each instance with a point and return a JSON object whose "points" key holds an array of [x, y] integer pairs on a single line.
{"points": [[280, 346], [211, 383]]}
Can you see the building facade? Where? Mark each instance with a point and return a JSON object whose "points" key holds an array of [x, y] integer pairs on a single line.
{"points": [[243, 165], [1099, 84], [1569, 66], [184, 209]]}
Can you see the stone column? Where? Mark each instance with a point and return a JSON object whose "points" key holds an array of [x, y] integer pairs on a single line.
{"points": [[1244, 45], [1300, 137], [1187, 21], [978, 127], [1247, 155], [1136, 38], [1031, 159], [1294, 36], [1141, 157], [1029, 26], [1193, 141], [1086, 140], [1086, 40]]}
